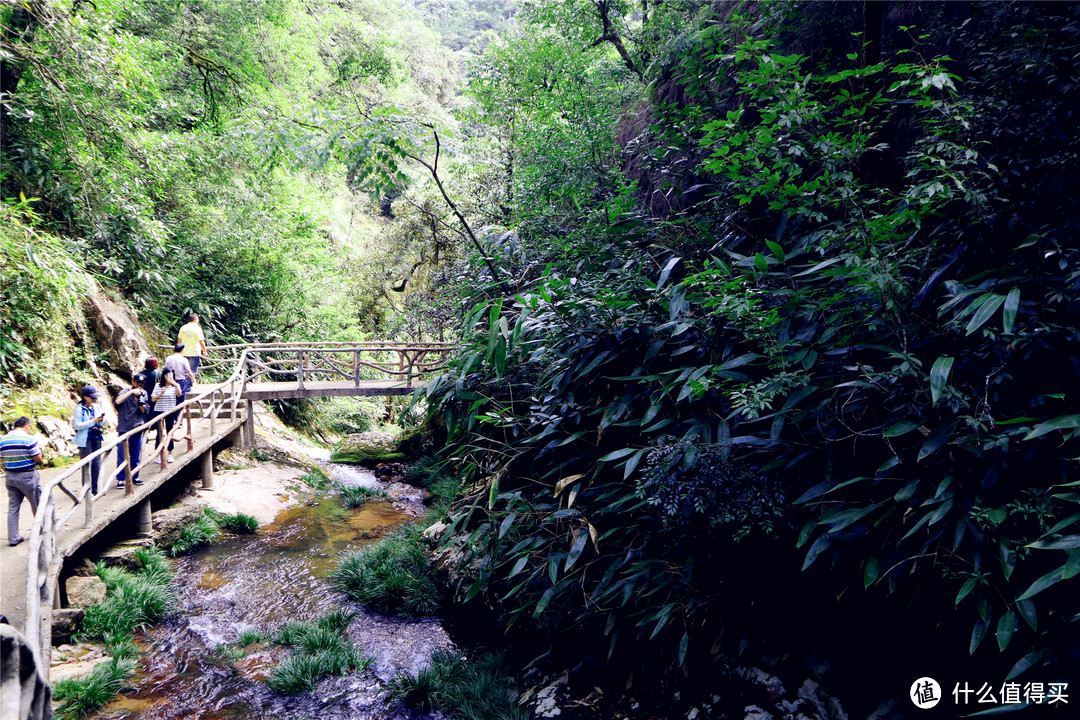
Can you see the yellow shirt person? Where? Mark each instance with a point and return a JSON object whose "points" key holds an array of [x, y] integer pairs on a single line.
{"points": [[194, 342]]}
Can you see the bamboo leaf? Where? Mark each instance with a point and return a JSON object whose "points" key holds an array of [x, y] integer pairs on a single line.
{"points": [[984, 313], [939, 377], [1024, 663], [1012, 305], [1065, 422], [1044, 582], [1005, 628], [576, 548]]}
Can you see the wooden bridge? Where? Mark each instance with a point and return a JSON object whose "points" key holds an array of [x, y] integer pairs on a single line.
{"points": [[214, 411]]}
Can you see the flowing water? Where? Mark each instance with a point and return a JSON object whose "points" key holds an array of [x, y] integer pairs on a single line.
{"points": [[192, 666]]}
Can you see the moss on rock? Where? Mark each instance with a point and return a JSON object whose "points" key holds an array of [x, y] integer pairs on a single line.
{"points": [[367, 448]]}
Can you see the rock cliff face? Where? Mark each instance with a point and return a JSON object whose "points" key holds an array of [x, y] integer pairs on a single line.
{"points": [[118, 333]]}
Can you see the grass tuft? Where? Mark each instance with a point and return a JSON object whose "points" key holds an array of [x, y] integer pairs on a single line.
{"points": [[321, 649], [391, 576], [353, 496], [240, 524], [132, 601], [461, 689], [316, 479], [205, 531], [80, 696]]}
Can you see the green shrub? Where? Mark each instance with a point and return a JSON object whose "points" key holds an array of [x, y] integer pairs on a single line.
{"points": [[81, 696], [321, 649], [464, 690], [252, 637], [240, 524], [391, 576], [316, 479], [356, 495], [132, 601], [205, 531], [426, 472]]}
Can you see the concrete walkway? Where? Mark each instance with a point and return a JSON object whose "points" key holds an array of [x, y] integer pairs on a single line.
{"points": [[108, 505]]}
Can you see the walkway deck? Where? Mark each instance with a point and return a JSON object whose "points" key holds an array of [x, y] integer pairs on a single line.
{"points": [[107, 507], [327, 388]]}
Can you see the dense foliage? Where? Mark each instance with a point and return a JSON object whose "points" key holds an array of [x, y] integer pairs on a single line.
{"points": [[829, 302], [137, 152]]}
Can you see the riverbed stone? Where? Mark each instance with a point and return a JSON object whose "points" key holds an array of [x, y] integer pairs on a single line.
{"points": [[122, 554], [169, 522], [82, 592], [74, 660], [65, 623], [367, 448], [772, 684]]}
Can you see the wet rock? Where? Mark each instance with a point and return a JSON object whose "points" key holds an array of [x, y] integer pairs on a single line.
{"points": [[123, 554], [169, 522], [810, 692], [753, 712], [82, 592], [74, 660], [397, 645], [772, 684], [836, 710], [366, 448], [65, 623], [434, 532], [117, 331]]}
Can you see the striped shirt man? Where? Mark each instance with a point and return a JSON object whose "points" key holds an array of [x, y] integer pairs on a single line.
{"points": [[19, 450]]}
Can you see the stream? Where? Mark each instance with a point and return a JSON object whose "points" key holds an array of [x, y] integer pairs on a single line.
{"points": [[192, 666]]}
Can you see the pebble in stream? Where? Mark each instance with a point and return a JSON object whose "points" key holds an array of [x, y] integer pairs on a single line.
{"points": [[190, 668]]}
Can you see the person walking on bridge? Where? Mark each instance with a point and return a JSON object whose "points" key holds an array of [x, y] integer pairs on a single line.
{"points": [[194, 342], [21, 456], [89, 425], [132, 409], [182, 372]]}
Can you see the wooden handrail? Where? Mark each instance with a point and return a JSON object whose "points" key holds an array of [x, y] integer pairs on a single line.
{"points": [[408, 362], [43, 555]]}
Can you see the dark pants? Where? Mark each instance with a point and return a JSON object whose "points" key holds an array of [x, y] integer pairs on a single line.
{"points": [[153, 417], [170, 420], [193, 363], [23, 484], [92, 446], [134, 444]]}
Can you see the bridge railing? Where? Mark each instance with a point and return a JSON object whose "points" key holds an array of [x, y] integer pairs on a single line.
{"points": [[349, 362], [43, 562]]}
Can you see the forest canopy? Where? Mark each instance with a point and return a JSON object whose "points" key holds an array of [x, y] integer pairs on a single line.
{"points": [[768, 311]]}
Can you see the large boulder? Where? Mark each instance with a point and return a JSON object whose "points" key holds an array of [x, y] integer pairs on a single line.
{"points": [[169, 522], [57, 438], [117, 331], [122, 554], [82, 592], [424, 439], [367, 448], [66, 623]]}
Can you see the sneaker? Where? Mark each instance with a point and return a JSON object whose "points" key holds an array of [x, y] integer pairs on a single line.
{"points": [[120, 485], [137, 482], [171, 458]]}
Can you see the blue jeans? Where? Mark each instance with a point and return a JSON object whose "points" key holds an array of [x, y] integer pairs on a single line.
{"points": [[134, 444], [193, 363]]}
